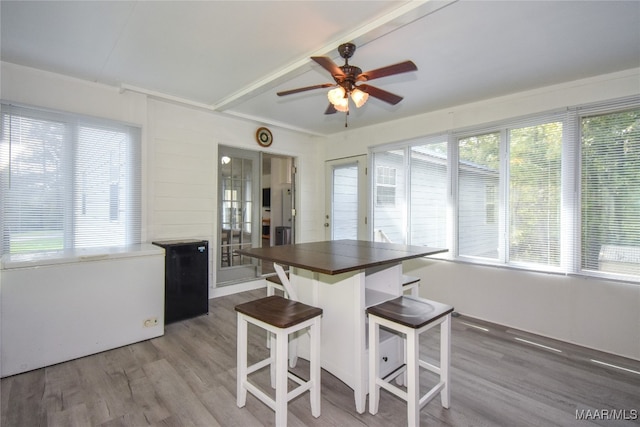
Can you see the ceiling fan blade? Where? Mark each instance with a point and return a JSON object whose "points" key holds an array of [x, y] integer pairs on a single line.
{"points": [[330, 109], [381, 94], [303, 89], [329, 65], [399, 68]]}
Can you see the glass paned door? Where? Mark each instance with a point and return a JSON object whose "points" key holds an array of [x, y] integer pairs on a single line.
{"points": [[346, 199], [239, 217]]}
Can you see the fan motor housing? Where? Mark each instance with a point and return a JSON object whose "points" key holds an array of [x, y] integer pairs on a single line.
{"points": [[346, 50], [350, 74]]}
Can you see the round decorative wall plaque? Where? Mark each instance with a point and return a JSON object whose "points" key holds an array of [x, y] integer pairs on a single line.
{"points": [[264, 137]]}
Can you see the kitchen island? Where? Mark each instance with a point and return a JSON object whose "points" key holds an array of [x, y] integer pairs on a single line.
{"points": [[344, 277]]}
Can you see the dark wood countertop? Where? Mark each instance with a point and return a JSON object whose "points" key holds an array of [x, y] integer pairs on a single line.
{"points": [[339, 256]]}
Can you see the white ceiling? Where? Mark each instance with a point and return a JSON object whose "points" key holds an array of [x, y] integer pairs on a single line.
{"points": [[233, 56]]}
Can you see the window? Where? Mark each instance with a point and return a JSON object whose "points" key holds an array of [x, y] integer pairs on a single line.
{"points": [[610, 223], [428, 190], [423, 167], [534, 194], [389, 216], [530, 233], [385, 186], [478, 166], [558, 192], [67, 181], [344, 206]]}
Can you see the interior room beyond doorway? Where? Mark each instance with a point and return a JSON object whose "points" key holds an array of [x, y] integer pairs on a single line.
{"points": [[277, 202]]}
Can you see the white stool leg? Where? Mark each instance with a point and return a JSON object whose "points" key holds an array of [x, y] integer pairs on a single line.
{"points": [[413, 379], [281, 378], [314, 375], [293, 351], [270, 292], [445, 359], [272, 339], [241, 374], [415, 291], [402, 378], [374, 366]]}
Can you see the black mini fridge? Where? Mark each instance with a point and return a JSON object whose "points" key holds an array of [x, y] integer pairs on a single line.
{"points": [[186, 279]]}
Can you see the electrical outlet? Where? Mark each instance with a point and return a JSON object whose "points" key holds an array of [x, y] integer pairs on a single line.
{"points": [[150, 322]]}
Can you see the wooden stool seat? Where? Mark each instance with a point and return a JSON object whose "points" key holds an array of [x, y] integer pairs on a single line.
{"points": [[410, 312], [274, 279], [410, 316], [279, 312], [280, 317]]}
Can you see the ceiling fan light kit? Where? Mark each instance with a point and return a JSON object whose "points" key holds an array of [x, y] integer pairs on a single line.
{"points": [[345, 78], [342, 106], [336, 95], [359, 97], [339, 97]]}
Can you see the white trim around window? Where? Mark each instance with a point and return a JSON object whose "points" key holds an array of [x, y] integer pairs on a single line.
{"points": [[535, 163]]}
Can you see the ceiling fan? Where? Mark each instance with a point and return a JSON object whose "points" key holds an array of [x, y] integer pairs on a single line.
{"points": [[346, 77]]}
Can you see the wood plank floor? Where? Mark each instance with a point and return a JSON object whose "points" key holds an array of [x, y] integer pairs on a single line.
{"points": [[187, 378]]}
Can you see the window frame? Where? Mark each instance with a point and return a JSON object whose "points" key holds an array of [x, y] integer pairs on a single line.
{"points": [[570, 220], [582, 112], [72, 203], [403, 174]]}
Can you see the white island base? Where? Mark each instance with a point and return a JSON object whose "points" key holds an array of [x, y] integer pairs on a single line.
{"points": [[344, 299]]}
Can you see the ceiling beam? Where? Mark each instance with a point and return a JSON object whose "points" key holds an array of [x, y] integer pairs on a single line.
{"points": [[403, 15]]}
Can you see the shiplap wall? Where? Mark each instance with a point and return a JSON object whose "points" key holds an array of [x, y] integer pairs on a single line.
{"points": [[182, 174], [180, 148]]}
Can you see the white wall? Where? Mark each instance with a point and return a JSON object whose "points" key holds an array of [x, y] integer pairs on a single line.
{"points": [[180, 148], [585, 311], [599, 314], [357, 141], [182, 176], [76, 303], [179, 195]]}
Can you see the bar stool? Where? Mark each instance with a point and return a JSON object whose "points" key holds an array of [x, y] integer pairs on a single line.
{"points": [[280, 317], [273, 283], [411, 284], [410, 316], [281, 282]]}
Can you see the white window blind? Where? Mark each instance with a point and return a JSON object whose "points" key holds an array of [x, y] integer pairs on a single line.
{"points": [[67, 181], [610, 188], [478, 168], [535, 194], [553, 192], [510, 192], [345, 202], [428, 195]]}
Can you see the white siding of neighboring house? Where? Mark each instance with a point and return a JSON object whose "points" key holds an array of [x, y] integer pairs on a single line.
{"points": [[389, 218]]}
